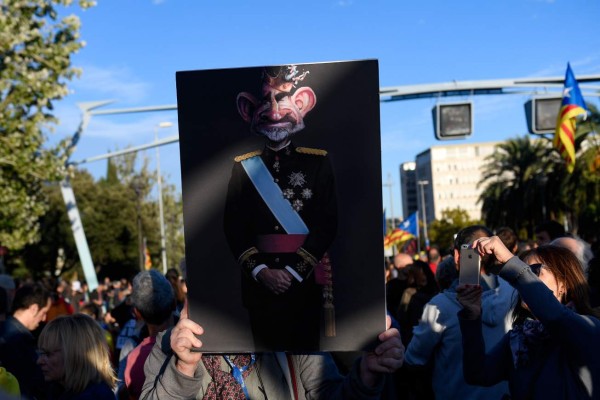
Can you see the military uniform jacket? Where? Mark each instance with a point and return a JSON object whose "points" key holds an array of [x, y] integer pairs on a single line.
{"points": [[306, 180]]}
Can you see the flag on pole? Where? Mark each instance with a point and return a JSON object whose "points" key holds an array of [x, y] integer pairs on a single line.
{"points": [[411, 224], [396, 238], [147, 259], [407, 230], [572, 106]]}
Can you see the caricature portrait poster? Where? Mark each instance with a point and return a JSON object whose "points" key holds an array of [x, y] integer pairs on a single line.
{"points": [[282, 203]]}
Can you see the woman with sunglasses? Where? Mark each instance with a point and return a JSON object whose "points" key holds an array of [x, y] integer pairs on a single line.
{"points": [[553, 350]]}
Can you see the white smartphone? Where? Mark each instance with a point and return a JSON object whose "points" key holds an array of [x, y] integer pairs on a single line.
{"points": [[470, 264]]}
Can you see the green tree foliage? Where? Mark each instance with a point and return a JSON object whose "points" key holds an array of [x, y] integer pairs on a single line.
{"points": [[35, 64], [109, 211], [442, 231], [580, 191], [525, 182], [173, 214], [514, 180]]}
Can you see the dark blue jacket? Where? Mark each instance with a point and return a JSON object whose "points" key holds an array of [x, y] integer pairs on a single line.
{"points": [[94, 391], [18, 355], [567, 366]]}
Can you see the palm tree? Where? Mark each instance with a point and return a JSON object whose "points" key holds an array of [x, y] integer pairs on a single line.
{"points": [[514, 184], [579, 194]]}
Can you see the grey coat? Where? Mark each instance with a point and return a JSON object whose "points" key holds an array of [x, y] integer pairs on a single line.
{"points": [[316, 375]]}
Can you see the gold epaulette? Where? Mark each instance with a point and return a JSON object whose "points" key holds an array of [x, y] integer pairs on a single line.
{"points": [[248, 155], [308, 150]]}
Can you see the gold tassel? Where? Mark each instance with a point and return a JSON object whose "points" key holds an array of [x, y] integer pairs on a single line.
{"points": [[329, 310]]}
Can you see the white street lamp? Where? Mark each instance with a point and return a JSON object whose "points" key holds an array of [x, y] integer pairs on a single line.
{"points": [[163, 245]]}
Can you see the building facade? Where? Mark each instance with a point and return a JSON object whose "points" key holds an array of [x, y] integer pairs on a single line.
{"points": [[446, 177], [408, 188]]}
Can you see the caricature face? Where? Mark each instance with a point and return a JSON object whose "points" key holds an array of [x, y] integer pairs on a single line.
{"points": [[278, 114]]}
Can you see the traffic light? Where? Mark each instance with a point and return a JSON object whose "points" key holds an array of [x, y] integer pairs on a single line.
{"points": [[541, 114], [453, 120]]}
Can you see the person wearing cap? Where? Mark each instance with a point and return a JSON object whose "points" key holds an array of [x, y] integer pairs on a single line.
{"points": [[153, 302], [281, 215]]}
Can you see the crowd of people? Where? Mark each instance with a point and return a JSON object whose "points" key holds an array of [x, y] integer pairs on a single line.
{"points": [[528, 330]]}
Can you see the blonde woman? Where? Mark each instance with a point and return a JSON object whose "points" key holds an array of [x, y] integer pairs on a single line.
{"points": [[74, 358]]}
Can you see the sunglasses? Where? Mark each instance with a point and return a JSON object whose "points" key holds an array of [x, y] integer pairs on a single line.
{"points": [[536, 268]]}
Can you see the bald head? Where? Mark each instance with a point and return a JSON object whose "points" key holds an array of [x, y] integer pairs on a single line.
{"points": [[401, 260], [579, 247]]}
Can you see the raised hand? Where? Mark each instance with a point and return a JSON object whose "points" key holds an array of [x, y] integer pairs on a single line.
{"points": [[185, 344], [493, 246], [387, 357]]}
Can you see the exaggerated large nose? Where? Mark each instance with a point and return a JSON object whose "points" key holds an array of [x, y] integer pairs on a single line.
{"points": [[275, 111]]}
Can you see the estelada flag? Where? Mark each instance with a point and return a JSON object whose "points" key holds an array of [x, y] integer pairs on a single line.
{"points": [[396, 237], [147, 259], [411, 224], [572, 106]]}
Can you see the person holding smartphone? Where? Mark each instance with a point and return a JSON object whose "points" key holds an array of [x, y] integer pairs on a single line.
{"points": [[437, 340], [553, 351]]}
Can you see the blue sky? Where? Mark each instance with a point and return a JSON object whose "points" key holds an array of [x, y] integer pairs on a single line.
{"points": [[134, 48]]}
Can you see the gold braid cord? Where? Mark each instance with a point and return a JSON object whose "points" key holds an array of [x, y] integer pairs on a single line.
{"points": [[308, 150], [247, 254], [306, 256], [248, 155]]}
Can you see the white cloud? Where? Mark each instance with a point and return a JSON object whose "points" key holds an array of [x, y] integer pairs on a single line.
{"points": [[111, 82]]}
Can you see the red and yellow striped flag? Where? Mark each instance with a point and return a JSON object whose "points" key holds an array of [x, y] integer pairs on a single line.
{"points": [[572, 106], [396, 237]]}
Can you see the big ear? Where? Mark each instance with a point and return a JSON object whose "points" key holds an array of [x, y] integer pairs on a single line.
{"points": [[457, 259], [246, 104], [305, 99], [34, 308]]}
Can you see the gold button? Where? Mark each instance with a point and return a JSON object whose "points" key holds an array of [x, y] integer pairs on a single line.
{"points": [[276, 180], [277, 259]]}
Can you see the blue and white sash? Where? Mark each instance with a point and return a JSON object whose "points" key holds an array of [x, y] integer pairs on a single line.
{"points": [[273, 196]]}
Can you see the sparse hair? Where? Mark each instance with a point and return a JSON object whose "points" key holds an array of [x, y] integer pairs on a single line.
{"points": [[582, 250], [153, 297], [85, 351], [30, 294]]}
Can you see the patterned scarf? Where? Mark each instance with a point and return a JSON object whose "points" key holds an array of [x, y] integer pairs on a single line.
{"points": [[524, 338], [527, 337], [223, 384]]}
